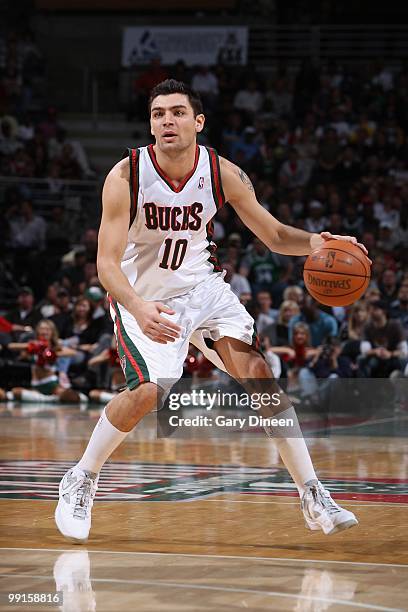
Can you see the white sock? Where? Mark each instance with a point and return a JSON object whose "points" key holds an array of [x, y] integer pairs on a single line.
{"points": [[293, 450], [105, 438]]}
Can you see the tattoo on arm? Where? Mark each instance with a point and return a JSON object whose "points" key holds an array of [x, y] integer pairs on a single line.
{"points": [[246, 180]]}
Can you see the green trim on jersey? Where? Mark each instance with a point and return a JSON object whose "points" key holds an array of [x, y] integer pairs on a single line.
{"points": [[216, 183], [133, 155], [212, 248]]}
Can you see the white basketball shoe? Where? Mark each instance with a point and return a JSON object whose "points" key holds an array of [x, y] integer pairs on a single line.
{"points": [[322, 512], [73, 513]]}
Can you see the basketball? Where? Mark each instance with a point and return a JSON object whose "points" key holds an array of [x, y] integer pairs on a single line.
{"points": [[337, 274]]}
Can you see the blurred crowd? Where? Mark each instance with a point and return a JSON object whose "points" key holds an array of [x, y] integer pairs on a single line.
{"points": [[326, 149], [32, 142]]}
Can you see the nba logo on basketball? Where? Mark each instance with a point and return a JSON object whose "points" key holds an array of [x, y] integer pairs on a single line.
{"points": [[331, 255], [201, 182]]}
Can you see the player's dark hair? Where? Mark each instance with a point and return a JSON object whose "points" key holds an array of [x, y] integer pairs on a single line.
{"points": [[171, 86]]}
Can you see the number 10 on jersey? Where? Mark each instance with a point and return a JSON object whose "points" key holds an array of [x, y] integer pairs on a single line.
{"points": [[174, 252]]}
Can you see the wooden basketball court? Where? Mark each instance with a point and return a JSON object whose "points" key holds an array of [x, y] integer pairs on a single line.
{"points": [[201, 524]]}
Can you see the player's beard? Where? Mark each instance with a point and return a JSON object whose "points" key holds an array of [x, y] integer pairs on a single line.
{"points": [[173, 149]]}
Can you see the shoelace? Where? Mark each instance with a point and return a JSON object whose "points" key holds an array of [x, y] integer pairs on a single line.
{"points": [[323, 496], [83, 498]]}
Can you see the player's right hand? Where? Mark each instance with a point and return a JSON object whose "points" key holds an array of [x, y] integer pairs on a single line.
{"points": [[154, 326]]}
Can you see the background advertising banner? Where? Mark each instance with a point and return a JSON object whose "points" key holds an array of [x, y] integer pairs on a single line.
{"points": [[195, 45]]}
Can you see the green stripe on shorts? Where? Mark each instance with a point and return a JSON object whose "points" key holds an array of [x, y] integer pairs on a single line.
{"points": [[133, 365]]}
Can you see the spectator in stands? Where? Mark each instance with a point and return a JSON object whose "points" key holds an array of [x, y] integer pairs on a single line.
{"points": [[205, 82], [239, 284], [27, 230], [280, 98], [264, 301], [11, 83], [7, 329], [330, 362], [264, 268], [348, 168], [399, 308], [179, 72], [321, 324], [316, 221], [62, 316], [294, 172], [25, 313], [56, 151], [335, 225], [73, 276], [388, 238], [352, 221], [388, 286], [329, 156], [352, 331], [21, 164], [25, 130], [67, 163], [82, 330], [8, 141], [90, 241], [249, 100], [49, 126], [284, 214], [353, 327], [297, 355], [60, 227], [37, 149], [97, 297], [373, 294], [278, 331], [245, 150], [383, 76], [294, 293], [231, 132], [340, 123], [385, 348], [48, 305]]}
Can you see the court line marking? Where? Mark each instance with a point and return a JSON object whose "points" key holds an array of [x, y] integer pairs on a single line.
{"points": [[368, 504], [351, 426], [203, 498], [161, 554], [205, 587]]}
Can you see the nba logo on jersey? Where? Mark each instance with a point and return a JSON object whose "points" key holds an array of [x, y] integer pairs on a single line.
{"points": [[201, 182], [123, 364]]}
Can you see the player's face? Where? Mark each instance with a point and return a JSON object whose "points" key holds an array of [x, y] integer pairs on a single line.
{"points": [[173, 124]]}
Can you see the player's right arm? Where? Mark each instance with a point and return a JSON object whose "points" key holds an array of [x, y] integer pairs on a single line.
{"points": [[112, 242]]}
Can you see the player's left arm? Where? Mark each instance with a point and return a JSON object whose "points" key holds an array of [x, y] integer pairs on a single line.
{"points": [[278, 237]]}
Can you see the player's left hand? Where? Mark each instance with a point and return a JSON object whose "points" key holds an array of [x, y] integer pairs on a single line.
{"points": [[352, 239]]}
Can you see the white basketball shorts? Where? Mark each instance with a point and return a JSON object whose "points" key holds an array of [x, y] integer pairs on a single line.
{"points": [[209, 310]]}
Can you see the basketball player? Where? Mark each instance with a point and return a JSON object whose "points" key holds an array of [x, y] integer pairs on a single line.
{"points": [[157, 262]]}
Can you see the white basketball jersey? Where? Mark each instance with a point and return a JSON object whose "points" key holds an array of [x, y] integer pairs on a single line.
{"points": [[170, 248]]}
